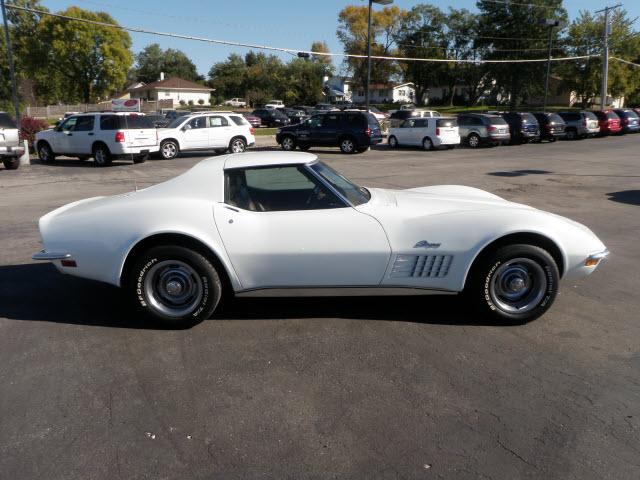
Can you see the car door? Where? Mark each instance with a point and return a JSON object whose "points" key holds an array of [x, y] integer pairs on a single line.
{"points": [[403, 134], [82, 136], [419, 131], [196, 134], [307, 133], [328, 132], [62, 141], [283, 227], [219, 131]]}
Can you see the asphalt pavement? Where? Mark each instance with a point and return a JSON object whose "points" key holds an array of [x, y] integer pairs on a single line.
{"points": [[350, 388]]}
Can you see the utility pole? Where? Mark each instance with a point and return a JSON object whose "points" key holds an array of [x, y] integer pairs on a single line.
{"points": [[12, 70], [605, 55], [371, 2], [550, 24]]}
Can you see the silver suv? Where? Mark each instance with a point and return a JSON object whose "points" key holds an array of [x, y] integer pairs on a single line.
{"points": [[11, 148], [580, 124], [477, 129]]}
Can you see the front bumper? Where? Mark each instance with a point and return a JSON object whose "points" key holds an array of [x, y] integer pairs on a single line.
{"points": [[45, 256], [595, 258]]}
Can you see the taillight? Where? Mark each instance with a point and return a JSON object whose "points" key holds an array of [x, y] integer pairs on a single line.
{"points": [[547, 126], [584, 123], [120, 137], [368, 132], [491, 128], [251, 130], [437, 131]]}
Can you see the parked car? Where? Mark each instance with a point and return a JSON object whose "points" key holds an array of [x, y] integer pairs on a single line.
{"points": [[243, 224], [11, 148], [218, 131], [428, 133], [398, 117], [105, 136], [477, 129], [523, 127], [253, 120], [380, 116], [628, 119], [305, 108], [271, 117], [580, 124], [159, 121], [343, 104], [274, 104], [552, 126], [608, 121], [236, 102], [294, 115], [353, 132]]}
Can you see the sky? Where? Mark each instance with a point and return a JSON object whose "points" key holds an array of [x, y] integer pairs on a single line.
{"points": [[281, 23]]}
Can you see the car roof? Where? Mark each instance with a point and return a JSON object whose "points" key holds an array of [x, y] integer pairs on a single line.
{"points": [[261, 159]]}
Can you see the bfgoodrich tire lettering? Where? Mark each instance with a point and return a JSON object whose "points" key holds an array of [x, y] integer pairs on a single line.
{"points": [[175, 286], [514, 284]]}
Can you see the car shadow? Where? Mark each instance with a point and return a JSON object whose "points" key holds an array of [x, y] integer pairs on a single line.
{"points": [[519, 173], [630, 197], [38, 292], [75, 162]]}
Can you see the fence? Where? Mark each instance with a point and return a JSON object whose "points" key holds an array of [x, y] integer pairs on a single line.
{"points": [[57, 111]]}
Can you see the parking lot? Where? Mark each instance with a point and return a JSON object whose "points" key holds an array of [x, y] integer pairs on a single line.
{"points": [[388, 387]]}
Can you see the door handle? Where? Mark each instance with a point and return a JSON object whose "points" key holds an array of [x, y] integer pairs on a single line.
{"points": [[91, 134], [231, 208]]}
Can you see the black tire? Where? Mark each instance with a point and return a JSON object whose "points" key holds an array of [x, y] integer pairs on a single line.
{"points": [[427, 144], [237, 145], [304, 148], [102, 155], [158, 277], [140, 158], [571, 134], [393, 142], [514, 284], [11, 163], [169, 149], [473, 140], [45, 153], [348, 145], [288, 143]]}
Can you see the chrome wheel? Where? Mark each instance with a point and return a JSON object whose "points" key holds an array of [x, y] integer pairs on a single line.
{"points": [[518, 285], [44, 152], [169, 150], [347, 145], [238, 146], [288, 144], [473, 141], [173, 288], [101, 156]]}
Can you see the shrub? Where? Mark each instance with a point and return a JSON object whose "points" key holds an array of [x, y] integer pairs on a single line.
{"points": [[29, 126], [191, 103], [183, 103], [201, 102]]}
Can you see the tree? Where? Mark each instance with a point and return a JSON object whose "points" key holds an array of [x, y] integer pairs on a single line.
{"points": [[152, 60], [352, 32], [509, 31], [584, 76], [90, 61], [324, 60], [304, 81], [229, 78]]}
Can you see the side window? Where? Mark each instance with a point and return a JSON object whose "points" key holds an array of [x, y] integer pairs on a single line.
{"points": [[409, 123], [278, 188], [84, 124], [69, 124], [420, 123], [356, 120], [109, 122], [331, 121], [198, 122], [218, 122], [238, 121], [315, 121]]}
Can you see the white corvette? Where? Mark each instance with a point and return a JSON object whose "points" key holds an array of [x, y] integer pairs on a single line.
{"points": [[279, 223]]}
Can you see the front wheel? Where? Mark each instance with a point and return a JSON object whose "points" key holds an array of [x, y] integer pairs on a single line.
{"points": [[514, 284], [393, 141], [11, 163], [45, 153], [175, 286], [169, 149]]}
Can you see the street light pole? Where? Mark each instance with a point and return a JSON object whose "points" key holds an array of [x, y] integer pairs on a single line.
{"points": [[12, 71], [605, 56], [551, 24], [371, 2]]}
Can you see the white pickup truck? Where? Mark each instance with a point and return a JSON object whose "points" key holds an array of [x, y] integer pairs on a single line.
{"points": [[236, 103], [11, 148], [275, 104]]}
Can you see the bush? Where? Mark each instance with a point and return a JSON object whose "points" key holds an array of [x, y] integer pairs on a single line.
{"points": [[29, 126], [191, 103], [201, 102], [182, 103]]}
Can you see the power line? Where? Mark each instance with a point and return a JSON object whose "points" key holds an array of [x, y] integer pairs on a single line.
{"points": [[286, 50], [507, 2], [625, 61]]}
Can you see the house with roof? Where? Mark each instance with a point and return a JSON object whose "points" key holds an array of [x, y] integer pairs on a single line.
{"points": [[387, 93], [172, 88]]}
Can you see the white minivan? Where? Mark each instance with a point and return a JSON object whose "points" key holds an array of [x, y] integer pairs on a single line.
{"points": [[428, 133]]}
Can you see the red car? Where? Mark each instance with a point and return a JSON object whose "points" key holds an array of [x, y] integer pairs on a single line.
{"points": [[609, 122], [253, 120]]}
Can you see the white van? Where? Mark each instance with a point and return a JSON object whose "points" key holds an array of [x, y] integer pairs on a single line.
{"points": [[429, 133]]}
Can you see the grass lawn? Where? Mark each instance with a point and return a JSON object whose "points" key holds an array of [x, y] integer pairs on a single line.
{"points": [[259, 132]]}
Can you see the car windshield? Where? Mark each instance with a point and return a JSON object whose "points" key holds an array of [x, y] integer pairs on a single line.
{"points": [[612, 116], [528, 118], [176, 122], [590, 116], [497, 121], [352, 192], [555, 118]]}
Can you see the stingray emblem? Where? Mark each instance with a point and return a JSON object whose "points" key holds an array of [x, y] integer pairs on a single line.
{"points": [[426, 244]]}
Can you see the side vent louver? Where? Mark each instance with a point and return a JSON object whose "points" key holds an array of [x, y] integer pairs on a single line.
{"points": [[431, 266]]}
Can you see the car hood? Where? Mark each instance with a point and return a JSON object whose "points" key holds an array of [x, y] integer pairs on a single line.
{"points": [[436, 200]]}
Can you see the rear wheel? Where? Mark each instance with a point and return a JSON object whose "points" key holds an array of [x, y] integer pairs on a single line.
{"points": [[101, 155], [237, 145], [514, 284], [347, 145], [11, 163], [571, 134], [175, 286], [45, 154], [473, 140], [427, 144], [288, 143], [169, 149]]}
